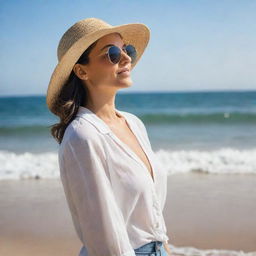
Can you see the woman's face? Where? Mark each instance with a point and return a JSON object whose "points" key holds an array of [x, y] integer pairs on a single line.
{"points": [[100, 72]]}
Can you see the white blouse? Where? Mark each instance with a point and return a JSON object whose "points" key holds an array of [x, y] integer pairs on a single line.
{"points": [[115, 204]]}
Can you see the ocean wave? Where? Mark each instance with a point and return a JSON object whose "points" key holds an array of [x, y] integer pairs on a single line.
{"points": [[218, 117], [28, 165], [155, 118], [223, 161], [189, 251], [24, 129]]}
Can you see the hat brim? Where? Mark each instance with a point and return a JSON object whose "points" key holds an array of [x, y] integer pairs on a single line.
{"points": [[136, 34]]}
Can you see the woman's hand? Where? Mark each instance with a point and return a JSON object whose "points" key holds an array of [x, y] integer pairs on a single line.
{"points": [[167, 248]]}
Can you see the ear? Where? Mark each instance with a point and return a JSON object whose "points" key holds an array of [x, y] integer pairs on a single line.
{"points": [[80, 71]]}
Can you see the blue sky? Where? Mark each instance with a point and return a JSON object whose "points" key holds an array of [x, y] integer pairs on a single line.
{"points": [[195, 45]]}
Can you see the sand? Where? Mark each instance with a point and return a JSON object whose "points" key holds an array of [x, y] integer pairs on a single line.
{"points": [[203, 211], [212, 211]]}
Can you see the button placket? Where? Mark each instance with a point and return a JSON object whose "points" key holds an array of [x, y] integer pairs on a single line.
{"points": [[156, 209]]}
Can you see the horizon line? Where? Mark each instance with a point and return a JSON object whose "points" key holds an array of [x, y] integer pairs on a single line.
{"points": [[146, 92]]}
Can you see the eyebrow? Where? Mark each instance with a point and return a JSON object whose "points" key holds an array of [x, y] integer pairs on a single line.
{"points": [[108, 46]]}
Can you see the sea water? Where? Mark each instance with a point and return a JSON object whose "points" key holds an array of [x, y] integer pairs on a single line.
{"points": [[210, 132]]}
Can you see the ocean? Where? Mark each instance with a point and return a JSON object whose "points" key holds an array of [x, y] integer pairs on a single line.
{"points": [[210, 132]]}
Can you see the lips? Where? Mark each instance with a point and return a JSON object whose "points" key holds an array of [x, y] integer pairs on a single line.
{"points": [[122, 70]]}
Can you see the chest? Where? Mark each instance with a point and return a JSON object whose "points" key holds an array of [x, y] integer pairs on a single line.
{"points": [[130, 175], [126, 136]]}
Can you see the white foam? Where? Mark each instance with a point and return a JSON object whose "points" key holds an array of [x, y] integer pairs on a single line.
{"points": [[192, 251], [28, 165], [224, 161]]}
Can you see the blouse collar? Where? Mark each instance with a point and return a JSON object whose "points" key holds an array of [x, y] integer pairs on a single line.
{"points": [[87, 114]]}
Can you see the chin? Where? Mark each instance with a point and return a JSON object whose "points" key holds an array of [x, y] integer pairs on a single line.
{"points": [[125, 84]]}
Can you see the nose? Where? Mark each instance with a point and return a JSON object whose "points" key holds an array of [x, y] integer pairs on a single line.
{"points": [[125, 57]]}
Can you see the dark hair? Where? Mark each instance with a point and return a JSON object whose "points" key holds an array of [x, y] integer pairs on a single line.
{"points": [[72, 95]]}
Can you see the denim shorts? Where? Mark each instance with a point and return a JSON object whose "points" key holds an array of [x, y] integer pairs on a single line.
{"points": [[154, 248]]}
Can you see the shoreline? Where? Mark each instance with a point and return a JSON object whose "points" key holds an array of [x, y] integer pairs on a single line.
{"points": [[202, 211]]}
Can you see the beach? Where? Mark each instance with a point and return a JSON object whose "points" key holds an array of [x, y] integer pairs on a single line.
{"points": [[203, 211]]}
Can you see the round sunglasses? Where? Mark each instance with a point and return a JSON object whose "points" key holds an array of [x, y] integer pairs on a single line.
{"points": [[114, 53]]}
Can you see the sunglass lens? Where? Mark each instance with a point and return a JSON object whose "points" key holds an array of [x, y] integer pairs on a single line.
{"points": [[131, 52], [114, 54]]}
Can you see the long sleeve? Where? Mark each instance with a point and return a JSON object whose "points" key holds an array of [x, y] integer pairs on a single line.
{"points": [[101, 225]]}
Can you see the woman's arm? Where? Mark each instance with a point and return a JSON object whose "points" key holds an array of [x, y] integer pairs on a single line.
{"points": [[93, 206], [167, 248]]}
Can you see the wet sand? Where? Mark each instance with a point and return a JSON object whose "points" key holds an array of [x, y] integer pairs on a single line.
{"points": [[212, 211], [202, 211]]}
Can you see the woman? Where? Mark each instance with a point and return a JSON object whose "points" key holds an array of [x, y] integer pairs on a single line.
{"points": [[114, 186]]}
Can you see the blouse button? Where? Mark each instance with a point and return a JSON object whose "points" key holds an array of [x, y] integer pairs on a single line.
{"points": [[157, 225], [156, 203]]}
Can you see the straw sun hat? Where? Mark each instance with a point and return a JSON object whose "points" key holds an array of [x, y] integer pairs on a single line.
{"points": [[79, 37]]}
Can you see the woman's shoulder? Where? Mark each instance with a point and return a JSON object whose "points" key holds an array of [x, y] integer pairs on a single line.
{"points": [[81, 140], [80, 130]]}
